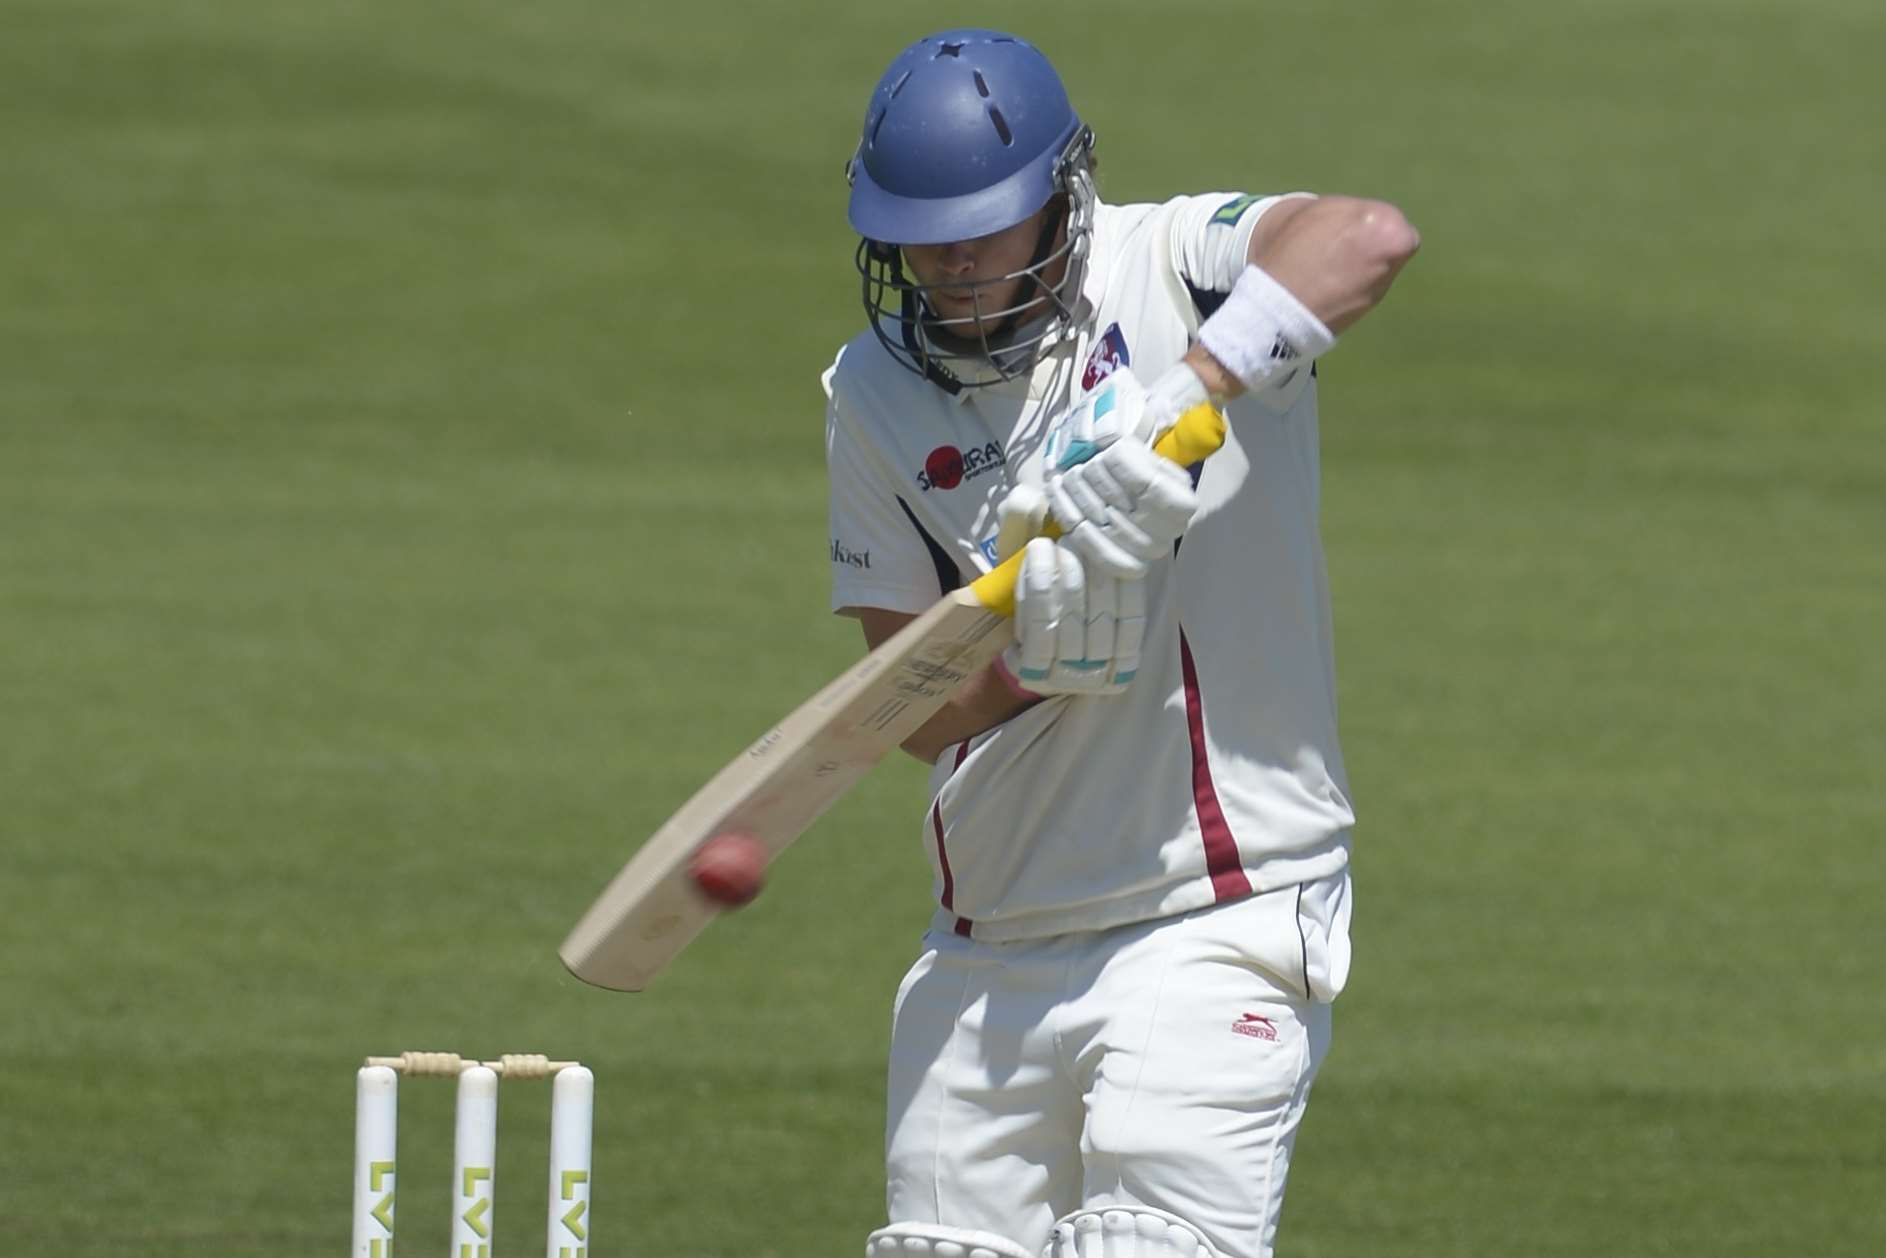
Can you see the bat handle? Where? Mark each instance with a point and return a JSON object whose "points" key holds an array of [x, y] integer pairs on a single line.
{"points": [[1197, 435]]}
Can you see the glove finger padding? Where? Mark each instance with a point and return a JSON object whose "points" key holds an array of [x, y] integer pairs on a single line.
{"points": [[1070, 658], [1071, 624], [1117, 548], [1124, 508], [1092, 495], [1152, 488], [1037, 612], [1129, 630], [1103, 609], [1075, 497], [1166, 506], [1122, 473]]}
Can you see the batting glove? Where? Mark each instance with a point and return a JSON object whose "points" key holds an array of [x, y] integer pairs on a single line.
{"points": [[1077, 631], [1119, 505]]}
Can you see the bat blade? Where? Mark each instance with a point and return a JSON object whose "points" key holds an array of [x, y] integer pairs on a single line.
{"points": [[785, 780], [780, 785]]}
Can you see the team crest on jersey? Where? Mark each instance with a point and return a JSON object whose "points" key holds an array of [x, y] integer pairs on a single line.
{"points": [[947, 467], [1108, 356]]}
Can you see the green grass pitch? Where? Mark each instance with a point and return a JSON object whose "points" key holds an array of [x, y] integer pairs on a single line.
{"points": [[411, 488]]}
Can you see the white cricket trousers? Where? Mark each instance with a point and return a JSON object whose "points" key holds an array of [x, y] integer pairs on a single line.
{"points": [[1164, 1064]]}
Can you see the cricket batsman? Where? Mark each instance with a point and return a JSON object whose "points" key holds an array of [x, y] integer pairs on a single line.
{"points": [[1139, 820]]}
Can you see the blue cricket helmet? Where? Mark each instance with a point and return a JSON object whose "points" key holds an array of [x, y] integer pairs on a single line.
{"points": [[962, 138], [968, 133]]}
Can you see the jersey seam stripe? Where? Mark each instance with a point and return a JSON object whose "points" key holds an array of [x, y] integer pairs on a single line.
{"points": [[942, 847], [1221, 846]]}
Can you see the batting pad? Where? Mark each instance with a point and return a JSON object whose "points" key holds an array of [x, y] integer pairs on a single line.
{"points": [[933, 1240], [1139, 1232]]}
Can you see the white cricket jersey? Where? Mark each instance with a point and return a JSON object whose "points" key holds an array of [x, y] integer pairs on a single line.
{"points": [[1217, 773]]}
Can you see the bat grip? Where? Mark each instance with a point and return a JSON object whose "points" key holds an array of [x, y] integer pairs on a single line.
{"points": [[1197, 435]]}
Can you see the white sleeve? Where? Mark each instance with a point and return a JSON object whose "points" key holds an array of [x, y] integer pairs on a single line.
{"points": [[879, 558], [1211, 234]]}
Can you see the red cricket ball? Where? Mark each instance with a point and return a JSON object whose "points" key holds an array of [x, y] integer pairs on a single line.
{"points": [[729, 868]]}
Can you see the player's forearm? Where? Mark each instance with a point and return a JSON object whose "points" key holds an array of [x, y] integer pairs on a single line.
{"points": [[1336, 255], [984, 702], [1317, 266]]}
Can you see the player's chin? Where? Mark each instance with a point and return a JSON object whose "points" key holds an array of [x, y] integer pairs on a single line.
{"points": [[986, 301], [958, 307], [965, 330]]}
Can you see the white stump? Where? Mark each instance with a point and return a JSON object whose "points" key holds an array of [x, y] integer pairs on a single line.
{"points": [[474, 1162], [376, 1139], [572, 1107]]}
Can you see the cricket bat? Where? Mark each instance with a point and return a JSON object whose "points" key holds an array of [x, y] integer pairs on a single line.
{"points": [[777, 787]]}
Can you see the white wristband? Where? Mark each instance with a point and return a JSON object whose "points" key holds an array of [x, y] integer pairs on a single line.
{"points": [[1262, 330]]}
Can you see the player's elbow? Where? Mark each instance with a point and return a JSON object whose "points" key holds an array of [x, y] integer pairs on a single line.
{"points": [[1386, 234], [1377, 241], [1378, 237]]}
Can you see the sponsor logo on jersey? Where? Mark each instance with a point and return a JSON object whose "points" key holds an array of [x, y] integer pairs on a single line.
{"points": [[1231, 211], [1108, 356], [1257, 1026], [989, 551], [845, 555], [947, 467]]}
